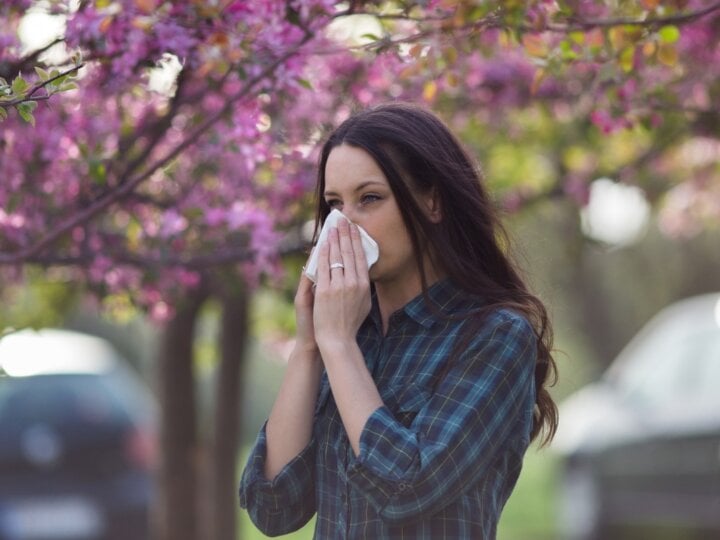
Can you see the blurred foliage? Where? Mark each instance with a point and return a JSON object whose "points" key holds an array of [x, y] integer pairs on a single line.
{"points": [[44, 299]]}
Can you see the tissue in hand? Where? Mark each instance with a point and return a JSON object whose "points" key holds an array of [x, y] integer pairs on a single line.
{"points": [[369, 245]]}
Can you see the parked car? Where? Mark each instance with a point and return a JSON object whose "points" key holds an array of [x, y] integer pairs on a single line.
{"points": [[640, 448], [77, 440]]}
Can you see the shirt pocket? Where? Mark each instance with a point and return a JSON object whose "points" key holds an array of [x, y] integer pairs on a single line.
{"points": [[406, 401]]}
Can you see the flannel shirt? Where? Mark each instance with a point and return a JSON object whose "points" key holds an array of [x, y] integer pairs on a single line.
{"points": [[439, 459]]}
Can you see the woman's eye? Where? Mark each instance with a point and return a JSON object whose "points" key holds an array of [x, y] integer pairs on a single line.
{"points": [[369, 198], [334, 203]]}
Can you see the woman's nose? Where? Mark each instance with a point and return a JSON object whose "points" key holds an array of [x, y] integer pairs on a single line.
{"points": [[350, 214]]}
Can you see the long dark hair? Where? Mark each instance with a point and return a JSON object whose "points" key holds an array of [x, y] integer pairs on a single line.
{"points": [[419, 155]]}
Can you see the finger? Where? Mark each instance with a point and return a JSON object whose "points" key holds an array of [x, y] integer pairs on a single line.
{"points": [[305, 285], [335, 256], [347, 249], [358, 251]]}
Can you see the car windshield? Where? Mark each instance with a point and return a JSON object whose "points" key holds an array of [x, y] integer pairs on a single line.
{"points": [[59, 400], [671, 368]]}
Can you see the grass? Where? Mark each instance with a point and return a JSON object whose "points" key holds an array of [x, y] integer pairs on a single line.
{"points": [[530, 514]]}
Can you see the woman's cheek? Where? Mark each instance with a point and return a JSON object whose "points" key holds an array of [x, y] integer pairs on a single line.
{"points": [[375, 268]]}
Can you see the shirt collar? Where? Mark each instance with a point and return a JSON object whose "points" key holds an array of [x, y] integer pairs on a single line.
{"points": [[443, 297]]}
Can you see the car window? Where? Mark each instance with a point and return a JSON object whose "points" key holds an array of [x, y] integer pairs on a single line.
{"points": [[684, 371], [58, 400]]}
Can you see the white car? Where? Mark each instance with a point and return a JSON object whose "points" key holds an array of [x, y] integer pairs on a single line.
{"points": [[640, 448]]}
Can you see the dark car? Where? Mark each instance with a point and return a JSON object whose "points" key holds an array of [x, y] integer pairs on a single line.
{"points": [[77, 440], [641, 448]]}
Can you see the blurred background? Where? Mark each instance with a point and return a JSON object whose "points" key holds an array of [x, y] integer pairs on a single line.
{"points": [[156, 177]]}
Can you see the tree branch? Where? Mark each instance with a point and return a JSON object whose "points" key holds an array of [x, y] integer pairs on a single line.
{"points": [[20, 65], [125, 188], [679, 18], [36, 87], [156, 130], [494, 21]]}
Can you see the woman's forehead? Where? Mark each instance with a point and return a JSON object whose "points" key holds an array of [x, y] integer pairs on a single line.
{"points": [[350, 168]]}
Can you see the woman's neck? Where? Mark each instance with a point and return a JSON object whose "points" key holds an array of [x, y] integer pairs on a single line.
{"points": [[393, 295]]}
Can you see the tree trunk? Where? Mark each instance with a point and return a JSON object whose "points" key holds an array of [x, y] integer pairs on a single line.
{"points": [[176, 512], [233, 341]]}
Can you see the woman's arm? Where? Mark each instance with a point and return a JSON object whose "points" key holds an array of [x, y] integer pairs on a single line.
{"points": [[353, 388], [342, 302], [289, 427], [480, 413], [278, 483]]}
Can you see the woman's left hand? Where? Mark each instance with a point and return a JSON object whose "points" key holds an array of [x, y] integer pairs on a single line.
{"points": [[342, 293]]}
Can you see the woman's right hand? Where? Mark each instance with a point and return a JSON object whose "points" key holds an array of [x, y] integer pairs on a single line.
{"points": [[304, 299]]}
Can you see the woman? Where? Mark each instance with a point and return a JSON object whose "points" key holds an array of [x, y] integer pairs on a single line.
{"points": [[414, 389]]}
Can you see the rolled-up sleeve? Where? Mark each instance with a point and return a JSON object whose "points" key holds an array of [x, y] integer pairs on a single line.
{"points": [[483, 405], [285, 503]]}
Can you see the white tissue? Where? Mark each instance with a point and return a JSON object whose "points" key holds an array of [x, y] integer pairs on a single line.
{"points": [[369, 245]]}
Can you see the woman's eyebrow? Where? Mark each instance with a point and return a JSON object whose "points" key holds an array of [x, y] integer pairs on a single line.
{"points": [[358, 188]]}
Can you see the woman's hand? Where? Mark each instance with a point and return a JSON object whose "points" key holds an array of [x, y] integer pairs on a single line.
{"points": [[304, 299], [342, 293]]}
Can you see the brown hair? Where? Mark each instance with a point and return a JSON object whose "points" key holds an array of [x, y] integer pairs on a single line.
{"points": [[418, 154]]}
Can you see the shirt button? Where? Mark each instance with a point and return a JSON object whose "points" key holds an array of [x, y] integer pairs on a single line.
{"points": [[402, 486]]}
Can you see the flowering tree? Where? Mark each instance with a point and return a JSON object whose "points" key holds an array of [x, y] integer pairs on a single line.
{"points": [[156, 150], [196, 174]]}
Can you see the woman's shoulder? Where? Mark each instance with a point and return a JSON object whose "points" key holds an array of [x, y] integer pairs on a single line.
{"points": [[481, 317], [477, 311]]}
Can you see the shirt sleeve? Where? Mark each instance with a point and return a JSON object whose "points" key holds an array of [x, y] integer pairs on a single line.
{"points": [[483, 404], [287, 502]]}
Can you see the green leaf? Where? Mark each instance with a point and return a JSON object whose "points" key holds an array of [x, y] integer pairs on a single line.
{"points": [[626, 58], [68, 86], [98, 172], [305, 84], [19, 85], [577, 37], [3, 82], [44, 75], [25, 111], [3, 114], [669, 34], [567, 51]]}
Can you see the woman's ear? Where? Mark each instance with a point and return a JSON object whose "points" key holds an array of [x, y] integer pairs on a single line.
{"points": [[432, 206]]}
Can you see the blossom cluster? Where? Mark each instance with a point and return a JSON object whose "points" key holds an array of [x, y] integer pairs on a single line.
{"points": [[223, 198]]}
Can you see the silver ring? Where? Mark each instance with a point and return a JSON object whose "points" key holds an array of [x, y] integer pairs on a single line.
{"points": [[333, 266]]}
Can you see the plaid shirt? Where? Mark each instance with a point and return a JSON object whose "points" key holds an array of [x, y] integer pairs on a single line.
{"points": [[440, 458]]}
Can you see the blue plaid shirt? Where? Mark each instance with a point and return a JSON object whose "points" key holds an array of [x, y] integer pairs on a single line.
{"points": [[440, 458]]}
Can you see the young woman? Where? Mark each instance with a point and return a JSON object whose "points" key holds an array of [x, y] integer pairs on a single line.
{"points": [[414, 389]]}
